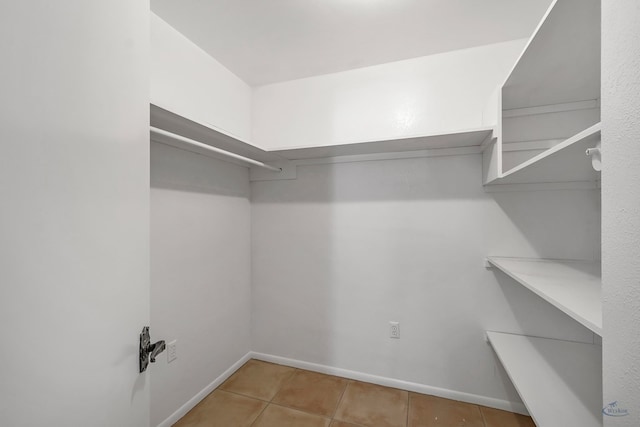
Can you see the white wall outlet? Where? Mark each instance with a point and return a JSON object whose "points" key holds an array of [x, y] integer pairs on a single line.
{"points": [[394, 329], [171, 351]]}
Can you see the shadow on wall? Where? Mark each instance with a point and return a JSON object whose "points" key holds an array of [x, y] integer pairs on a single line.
{"points": [[346, 248], [182, 170], [554, 224], [200, 272], [529, 314], [433, 178]]}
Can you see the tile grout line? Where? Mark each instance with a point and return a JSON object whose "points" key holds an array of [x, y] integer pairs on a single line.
{"points": [[408, 408], [268, 403], [260, 414], [484, 421], [246, 396], [299, 410], [283, 383], [272, 397], [271, 402], [330, 417], [335, 411]]}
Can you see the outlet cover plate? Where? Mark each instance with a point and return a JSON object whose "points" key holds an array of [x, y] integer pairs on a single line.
{"points": [[171, 351], [394, 329]]}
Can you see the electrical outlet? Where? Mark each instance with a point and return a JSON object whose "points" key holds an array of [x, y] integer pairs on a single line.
{"points": [[171, 351], [394, 329]]}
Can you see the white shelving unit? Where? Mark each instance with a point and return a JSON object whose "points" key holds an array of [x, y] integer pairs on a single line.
{"points": [[574, 287], [547, 114], [560, 382], [568, 34], [471, 138], [205, 133], [467, 141], [564, 162], [550, 98]]}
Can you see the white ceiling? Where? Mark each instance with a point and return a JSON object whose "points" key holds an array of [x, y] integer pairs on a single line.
{"points": [[266, 41]]}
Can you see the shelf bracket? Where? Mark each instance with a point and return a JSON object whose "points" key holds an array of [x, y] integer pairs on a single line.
{"points": [[596, 156]]}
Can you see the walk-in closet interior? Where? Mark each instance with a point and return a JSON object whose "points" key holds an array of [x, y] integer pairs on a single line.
{"points": [[437, 197], [475, 226]]}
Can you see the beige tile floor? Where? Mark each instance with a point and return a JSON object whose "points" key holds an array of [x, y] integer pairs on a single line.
{"points": [[263, 394]]}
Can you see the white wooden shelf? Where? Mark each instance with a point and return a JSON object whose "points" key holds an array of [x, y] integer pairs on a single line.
{"points": [[574, 287], [560, 382], [453, 139], [205, 133], [564, 162], [561, 62], [554, 87], [454, 142]]}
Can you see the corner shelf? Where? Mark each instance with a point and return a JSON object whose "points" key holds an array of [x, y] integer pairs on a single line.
{"points": [[564, 162], [464, 141], [561, 62], [574, 287], [560, 382], [551, 93], [205, 133]]}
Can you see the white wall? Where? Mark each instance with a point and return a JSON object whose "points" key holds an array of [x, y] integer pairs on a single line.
{"points": [[189, 82], [200, 272], [74, 222], [346, 248], [428, 95], [621, 207]]}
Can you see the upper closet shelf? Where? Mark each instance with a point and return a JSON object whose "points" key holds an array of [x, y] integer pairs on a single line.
{"points": [[456, 139], [560, 382], [207, 134], [561, 62], [161, 118], [564, 162], [574, 287]]}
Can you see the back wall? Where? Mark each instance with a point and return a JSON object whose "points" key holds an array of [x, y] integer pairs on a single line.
{"points": [[345, 248]]}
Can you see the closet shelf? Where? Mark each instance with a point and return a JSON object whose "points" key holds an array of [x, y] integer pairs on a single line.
{"points": [[454, 139], [468, 140], [574, 287], [568, 35], [191, 128], [560, 382], [565, 162]]}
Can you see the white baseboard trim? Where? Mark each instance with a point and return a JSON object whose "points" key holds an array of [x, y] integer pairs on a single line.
{"points": [[400, 384], [182, 411]]}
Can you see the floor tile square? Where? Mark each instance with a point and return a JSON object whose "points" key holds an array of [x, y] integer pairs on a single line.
{"points": [[373, 405], [312, 392], [279, 416], [431, 411], [498, 418], [258, 379], [222, 409]]}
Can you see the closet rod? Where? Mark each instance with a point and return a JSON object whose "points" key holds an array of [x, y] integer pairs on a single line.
{"points": [[189, 141]]}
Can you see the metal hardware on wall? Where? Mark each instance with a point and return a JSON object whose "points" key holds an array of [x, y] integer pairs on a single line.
{"points": [[148, 351], [596, 156]]}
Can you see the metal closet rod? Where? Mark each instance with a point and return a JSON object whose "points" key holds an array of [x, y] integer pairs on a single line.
{"points": [[189, 141]]}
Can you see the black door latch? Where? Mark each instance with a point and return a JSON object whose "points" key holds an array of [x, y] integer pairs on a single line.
{"points": [[148, 350]]}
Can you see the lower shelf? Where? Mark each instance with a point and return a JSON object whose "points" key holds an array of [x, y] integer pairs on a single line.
{"points": [[560, 382], [571, 286]]}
